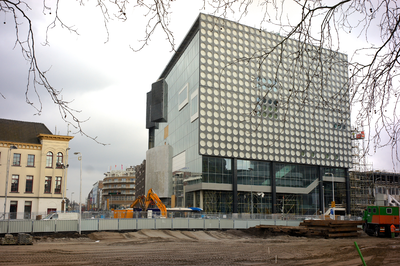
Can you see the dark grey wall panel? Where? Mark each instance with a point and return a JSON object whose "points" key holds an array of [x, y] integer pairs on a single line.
{"points": [[159, 101], [149, 123]]}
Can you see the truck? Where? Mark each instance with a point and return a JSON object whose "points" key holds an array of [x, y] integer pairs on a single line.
{"points": [[62, 216], [378, 219]]}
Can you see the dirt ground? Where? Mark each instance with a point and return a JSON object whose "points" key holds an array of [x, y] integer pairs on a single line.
{"points": [[232, 247]]}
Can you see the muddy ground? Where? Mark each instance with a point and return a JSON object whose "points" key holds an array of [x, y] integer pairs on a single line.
{"points": [[232, 247]]}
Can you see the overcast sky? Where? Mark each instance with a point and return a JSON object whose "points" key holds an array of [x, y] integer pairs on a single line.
{"points": [[108, 82]]}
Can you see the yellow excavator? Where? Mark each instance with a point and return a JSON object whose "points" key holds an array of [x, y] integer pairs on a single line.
{"points": [[144, 203]]}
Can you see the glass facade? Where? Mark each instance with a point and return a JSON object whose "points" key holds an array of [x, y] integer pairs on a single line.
{"points": [[275, 159], [288, 175], [217, 201], [298, 187], [216, 170], [253, 173], [183, 82], [262, 202]]}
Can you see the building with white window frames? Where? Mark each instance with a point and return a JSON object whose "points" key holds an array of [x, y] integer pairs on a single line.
{"points": [[119, 188], [33, 164], [246, 132]]}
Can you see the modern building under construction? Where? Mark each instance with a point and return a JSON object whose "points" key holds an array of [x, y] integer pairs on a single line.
{"points": [[368, 186], [373, 188], [228, 134]]}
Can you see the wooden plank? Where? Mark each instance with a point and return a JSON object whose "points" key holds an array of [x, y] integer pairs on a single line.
{"points": [[330, 223], [343, 235]]}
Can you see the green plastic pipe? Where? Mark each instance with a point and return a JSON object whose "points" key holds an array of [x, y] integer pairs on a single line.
{"points": [[359, 253]]}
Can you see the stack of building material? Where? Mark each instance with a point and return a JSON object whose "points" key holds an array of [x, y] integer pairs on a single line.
{"points": [[332, 228], [22, 239], [315, 228], [9, 239], [25, 239]]}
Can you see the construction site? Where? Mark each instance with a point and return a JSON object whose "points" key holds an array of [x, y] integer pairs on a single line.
{"points": [[217, 247], [369, 186]]}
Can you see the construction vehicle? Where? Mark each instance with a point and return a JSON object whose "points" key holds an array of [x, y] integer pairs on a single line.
{"points": [[144, 202], [378, 219]]}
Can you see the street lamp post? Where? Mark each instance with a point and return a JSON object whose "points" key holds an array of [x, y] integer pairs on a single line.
{"points": [[80, 191], [12, 147], [72, 193], [65, 177], [251, 198]]}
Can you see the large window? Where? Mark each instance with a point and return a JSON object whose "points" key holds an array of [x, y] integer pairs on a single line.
{"points": [[31, 160], [14, 183], [290, 175], [49, 160], [216, 170], [29, 184], [57, 189], [59, 160], [183, 96], [253, 173], [47, 184], [17, 159]]}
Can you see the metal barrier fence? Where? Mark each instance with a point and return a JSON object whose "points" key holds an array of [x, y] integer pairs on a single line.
{"points": [[103, 221], [90, 225]]}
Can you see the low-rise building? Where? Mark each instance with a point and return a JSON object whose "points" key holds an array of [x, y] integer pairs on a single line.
{"points": [[119, 188], [33, 169]]}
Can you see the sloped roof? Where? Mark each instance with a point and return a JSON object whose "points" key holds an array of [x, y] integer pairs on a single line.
{"points": [[21, 131]]}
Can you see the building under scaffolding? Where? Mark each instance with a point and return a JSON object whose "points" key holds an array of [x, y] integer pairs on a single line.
{"points": [[368, 187], [361, 177], [361, 191]]}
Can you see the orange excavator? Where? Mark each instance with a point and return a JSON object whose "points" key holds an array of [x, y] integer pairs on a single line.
{"points": [[144, 203]]}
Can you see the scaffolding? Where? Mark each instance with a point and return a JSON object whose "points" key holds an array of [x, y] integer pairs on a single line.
{"points": [[361, 176]]}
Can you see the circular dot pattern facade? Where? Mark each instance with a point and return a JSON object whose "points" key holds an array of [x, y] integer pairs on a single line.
{"points": [[252, 109]]}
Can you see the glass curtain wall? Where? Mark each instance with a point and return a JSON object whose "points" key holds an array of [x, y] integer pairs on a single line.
{"points": [[298, 204], [304, 179], [256, 173], [217, 170], [217, 201], [262, 202]]}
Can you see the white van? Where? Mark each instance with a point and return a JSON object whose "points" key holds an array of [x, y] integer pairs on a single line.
{"points": [[62, 216]]}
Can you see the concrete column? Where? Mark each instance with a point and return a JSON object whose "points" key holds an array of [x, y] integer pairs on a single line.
{"points": [[201, 199], [234, 186], [273, 187]]}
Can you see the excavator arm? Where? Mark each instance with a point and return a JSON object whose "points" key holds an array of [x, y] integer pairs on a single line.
{"points": [[138, 200], [153, 198]]}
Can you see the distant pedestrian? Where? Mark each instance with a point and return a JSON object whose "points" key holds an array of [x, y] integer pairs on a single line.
{"points": [[392, 228]]}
